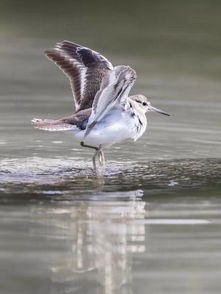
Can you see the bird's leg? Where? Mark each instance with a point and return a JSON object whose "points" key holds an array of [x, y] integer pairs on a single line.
{"points": [[99, 153], [89, 146], [101, 158], [94, 162], [95, 155]]}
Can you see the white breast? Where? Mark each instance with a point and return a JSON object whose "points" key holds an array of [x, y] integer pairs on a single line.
{"points": [[116, 126]]}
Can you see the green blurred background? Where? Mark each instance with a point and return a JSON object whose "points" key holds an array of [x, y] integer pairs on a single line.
{"points": [[186, 34]]}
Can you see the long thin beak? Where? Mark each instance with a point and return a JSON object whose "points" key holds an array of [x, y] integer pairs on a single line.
{"points": [[151, 108]]}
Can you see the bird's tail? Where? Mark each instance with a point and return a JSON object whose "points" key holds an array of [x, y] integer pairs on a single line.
{"points": [[51, 125]]}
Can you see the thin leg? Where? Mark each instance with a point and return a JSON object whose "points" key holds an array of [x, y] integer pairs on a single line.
{"points": [[89, 146], [94, 161], [101, 158], [99, 153]]}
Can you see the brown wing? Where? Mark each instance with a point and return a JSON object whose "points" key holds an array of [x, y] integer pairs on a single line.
{"points": [[78, 120], [84, 67]]}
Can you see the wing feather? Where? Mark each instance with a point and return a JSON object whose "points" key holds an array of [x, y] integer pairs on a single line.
{"points": [[114, 91], [84, 67], [52, 125]]}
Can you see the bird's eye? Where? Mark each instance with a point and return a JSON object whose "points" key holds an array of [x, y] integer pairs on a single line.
{"points": [[144, 104]]}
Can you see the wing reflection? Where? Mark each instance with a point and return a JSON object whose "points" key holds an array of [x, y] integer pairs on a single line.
{"points": [[102, 236]]}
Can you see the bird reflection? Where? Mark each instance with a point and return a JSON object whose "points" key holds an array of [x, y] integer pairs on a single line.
{"points": [[101, 236]]}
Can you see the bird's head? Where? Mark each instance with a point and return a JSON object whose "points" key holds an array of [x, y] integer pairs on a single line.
{"points": [[145, 105]]}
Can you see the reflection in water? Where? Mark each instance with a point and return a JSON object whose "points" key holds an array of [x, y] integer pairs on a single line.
{"points": [[102, 237]]}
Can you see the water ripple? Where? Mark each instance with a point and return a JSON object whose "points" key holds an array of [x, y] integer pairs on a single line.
{"points": [[58, 176]]}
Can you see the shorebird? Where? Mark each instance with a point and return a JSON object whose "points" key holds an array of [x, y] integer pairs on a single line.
{"points": [[104, 112]]}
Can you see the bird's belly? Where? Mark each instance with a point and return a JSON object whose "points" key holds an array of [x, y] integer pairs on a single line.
{"points": [[112, 129]]}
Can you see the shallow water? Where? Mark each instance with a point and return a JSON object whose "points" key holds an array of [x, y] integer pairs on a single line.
{"points": [[152, 223]]}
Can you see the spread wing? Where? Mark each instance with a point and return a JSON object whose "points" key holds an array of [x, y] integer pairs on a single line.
{"points": [[114, 91], [76, 121], [84, 67], [52, 125]]}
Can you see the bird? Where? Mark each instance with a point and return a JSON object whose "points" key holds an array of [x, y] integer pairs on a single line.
{"points": [[104, 112]]}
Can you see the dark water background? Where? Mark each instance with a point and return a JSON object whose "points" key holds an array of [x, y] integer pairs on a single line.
{"points": [[152, 225]]}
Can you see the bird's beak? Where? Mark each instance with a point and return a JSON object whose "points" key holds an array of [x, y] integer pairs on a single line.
{"points": [[154, 109]]}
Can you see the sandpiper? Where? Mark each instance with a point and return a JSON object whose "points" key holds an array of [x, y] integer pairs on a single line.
{"points": [[104, 112]]}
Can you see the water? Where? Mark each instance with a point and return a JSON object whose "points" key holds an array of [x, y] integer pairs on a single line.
{"points": [[152, 224]]}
